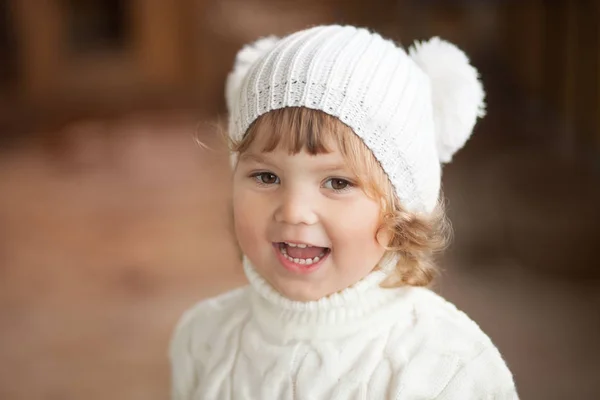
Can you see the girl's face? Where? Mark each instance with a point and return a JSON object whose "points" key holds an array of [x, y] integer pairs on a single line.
{"points": [[303, 223]]}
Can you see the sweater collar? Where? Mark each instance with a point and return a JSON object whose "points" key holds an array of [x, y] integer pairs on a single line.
{"points": [[364, 305]]}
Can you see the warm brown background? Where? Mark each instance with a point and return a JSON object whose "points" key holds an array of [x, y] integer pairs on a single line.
{"points": [[113, 220]]}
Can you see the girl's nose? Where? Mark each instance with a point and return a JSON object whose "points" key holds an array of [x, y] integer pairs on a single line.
{"points": [[296, 209]]}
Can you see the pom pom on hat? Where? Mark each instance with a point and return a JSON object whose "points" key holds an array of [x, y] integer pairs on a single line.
{"points": [[243, 61], [457, 94]]}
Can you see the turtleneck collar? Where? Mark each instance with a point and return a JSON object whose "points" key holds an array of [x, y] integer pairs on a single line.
{"points": [[365, 305]]}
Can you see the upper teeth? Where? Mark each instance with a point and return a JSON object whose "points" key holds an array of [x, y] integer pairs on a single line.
{"points": [[302, 261], [301, 245]]}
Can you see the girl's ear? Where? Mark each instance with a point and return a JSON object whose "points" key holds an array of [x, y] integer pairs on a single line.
{"points": [[383, 236]]}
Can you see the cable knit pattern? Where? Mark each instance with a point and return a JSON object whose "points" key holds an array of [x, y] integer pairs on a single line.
{"points": [[365, 342]]}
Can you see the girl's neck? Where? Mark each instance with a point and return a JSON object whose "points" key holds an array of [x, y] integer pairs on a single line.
{"points": [[363, 305]]}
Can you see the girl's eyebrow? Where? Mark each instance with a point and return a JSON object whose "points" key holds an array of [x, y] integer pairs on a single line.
{"points": [[253, 157], [323, 168], [332, 168]]}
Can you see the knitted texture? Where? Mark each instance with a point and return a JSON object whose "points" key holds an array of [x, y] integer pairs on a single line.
{"points": [[365, 342], [372, 86]]}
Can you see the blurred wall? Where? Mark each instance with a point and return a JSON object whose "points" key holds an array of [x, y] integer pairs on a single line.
{"points": [[63, 57], [552, 49]]}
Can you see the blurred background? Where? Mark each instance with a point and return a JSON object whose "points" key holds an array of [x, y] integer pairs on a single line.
{"points": [[113, 220]]}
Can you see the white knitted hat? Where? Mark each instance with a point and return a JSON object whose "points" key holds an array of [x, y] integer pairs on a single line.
{"points": [[413, 111]]}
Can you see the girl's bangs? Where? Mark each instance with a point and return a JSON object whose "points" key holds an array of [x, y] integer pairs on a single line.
{"points": [[297, 129]]}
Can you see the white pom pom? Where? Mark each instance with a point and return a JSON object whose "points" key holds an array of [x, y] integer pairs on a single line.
{"points": [[243, 61], [457, 94]]}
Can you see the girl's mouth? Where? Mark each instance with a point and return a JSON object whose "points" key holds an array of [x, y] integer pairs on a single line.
{"points": [[301, 257]]}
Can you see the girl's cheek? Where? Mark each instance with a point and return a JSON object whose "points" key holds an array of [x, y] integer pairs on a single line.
{"points": [[245, 234]]}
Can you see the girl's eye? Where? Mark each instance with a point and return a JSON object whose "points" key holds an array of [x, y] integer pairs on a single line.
{"points": [[266, 178], [337, 184]]}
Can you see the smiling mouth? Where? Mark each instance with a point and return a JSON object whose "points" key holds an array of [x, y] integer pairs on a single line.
{"points": [[302, 254]]}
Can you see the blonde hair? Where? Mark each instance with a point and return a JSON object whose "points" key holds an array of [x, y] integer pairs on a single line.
{"points": [[414, 238]]}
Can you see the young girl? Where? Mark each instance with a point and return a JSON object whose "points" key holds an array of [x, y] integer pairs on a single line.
{"points": [[337, 140]]}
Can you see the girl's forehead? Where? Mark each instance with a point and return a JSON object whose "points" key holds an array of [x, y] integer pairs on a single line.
{"points": [[268, 139]]}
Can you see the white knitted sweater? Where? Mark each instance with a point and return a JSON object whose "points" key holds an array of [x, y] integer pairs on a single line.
{"points": [[363, 343]]}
